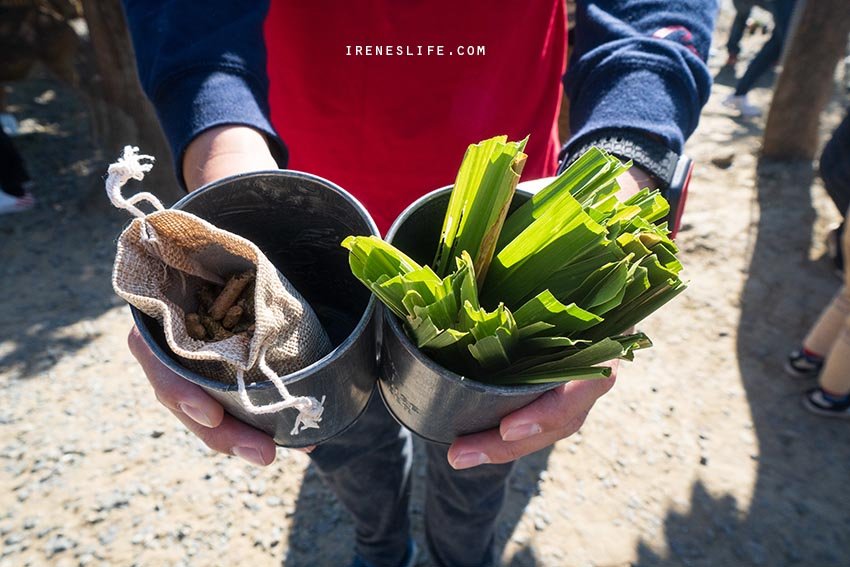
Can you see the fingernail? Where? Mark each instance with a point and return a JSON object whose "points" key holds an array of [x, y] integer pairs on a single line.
{"points": [[469, 460], [196, 414], [520, 432], [250, 454]]}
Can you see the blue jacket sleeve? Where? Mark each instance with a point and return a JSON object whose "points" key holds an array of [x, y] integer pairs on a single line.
{"points": [[203, 66], [639, 65]]}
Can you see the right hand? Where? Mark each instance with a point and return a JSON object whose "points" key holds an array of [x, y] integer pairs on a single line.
{"points": [[216, 153]]}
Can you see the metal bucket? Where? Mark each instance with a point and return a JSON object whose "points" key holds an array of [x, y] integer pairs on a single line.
{"points": [[433, 402], [298, 220]]}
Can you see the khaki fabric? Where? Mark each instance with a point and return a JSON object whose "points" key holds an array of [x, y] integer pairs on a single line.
{"points": [[162, 260]]}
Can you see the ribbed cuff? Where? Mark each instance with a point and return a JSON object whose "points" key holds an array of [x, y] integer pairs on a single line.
{"points": [[201, 98], [615, 97]]}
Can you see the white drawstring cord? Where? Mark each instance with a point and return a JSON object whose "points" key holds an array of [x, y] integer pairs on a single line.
{"points": [[129, 166]]}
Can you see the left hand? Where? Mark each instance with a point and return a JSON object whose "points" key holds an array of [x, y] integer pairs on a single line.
{"points": [[558, 413]]}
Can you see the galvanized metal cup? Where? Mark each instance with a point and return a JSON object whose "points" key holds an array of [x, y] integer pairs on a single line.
{"points": [[433, 402], [298, 220]]}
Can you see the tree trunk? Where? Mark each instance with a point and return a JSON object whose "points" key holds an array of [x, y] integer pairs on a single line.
{"points": [[121, 114], [807, 80]]}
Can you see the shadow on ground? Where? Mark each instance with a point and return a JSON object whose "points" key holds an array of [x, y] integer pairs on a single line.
{"points": [[55, 261], [796, 515]]}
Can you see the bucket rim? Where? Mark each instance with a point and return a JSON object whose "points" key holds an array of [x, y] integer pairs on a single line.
{"points": [[362, 324], [286, 174]]}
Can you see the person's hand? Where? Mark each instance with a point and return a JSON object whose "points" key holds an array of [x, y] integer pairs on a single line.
{"points": [[217, 153], [558, 413], [199, 412], [630, 182]]}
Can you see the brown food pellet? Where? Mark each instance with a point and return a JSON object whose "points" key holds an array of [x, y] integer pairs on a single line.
{"points": [[231, 317], [228, 296], [214, 329], [194, 327], [206, 296]]}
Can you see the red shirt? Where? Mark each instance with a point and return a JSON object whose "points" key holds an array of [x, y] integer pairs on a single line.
{"points": [[390, 128]]}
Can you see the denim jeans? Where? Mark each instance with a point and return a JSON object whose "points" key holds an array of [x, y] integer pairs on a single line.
{"points": [[739, 25], [771, 51], [368, 467]]}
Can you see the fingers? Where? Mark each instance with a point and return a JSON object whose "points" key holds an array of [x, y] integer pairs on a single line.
{"points": [[557, 409], [557, 414], [232, 437], [172, 391], [200, 413]]}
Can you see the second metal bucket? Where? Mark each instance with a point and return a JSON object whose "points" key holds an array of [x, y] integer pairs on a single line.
{"points": [[431, 401], [298, 220]]}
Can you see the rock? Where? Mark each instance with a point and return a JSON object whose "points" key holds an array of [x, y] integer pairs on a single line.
{"points": [[108, 536], [58, 544], [723, 161], [116, 499], [540, 523], [751, 551]]}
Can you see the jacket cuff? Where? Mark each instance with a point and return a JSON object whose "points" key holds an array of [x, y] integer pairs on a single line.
{"points": [[212, 97], [604, 104]]}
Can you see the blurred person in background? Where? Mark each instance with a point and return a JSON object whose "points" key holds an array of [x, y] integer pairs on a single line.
{"points": [[835, 172], [15, 183], [743, 8], [765, 59], [825, 351]]}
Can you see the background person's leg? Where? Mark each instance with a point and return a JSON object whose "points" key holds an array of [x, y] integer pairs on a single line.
{"points": [[736, 32], [832, 397], [368, 468], [461, 509], [835, 377], [771, 51], [13, 172]]}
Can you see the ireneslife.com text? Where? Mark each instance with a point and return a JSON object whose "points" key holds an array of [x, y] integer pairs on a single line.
{"points": [[414, 50]]}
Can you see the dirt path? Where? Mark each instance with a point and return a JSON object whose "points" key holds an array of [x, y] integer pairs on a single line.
{"points": [[701, 455]]}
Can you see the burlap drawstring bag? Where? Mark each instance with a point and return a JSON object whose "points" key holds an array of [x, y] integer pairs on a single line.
{"points": [[165, 256]]}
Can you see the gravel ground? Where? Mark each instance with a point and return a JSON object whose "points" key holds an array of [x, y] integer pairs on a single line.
{"points": [[701, 455]]}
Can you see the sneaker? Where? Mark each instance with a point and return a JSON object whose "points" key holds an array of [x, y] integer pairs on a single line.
{"points": [[803, 364], [10, 204], [9, 124], [742, 105], [820, 403], [833, 249]]}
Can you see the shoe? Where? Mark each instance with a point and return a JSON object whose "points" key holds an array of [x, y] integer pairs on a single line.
{"points": [[803, 364], [9, 124], [742, 105], [820, 403], [833, 249], [409, 560], [10, 204]]}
